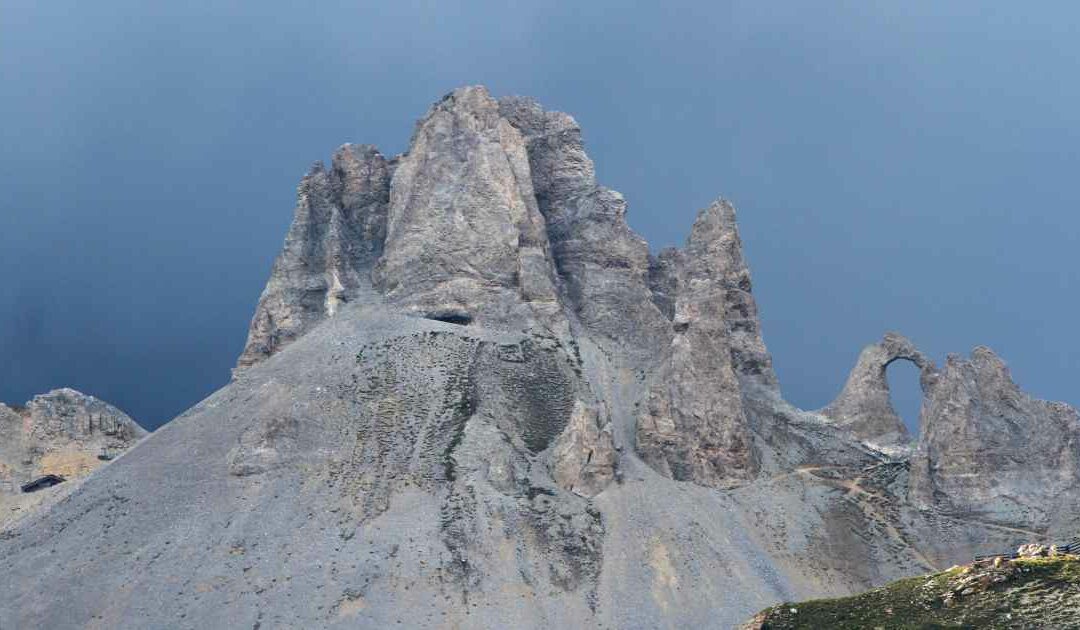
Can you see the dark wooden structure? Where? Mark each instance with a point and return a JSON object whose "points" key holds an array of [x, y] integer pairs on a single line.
{"points": [[41, 483]]}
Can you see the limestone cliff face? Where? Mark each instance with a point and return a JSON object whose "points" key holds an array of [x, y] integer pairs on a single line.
{"points": [[465, 238], [694, 427], [336, 236], [62, 432], [989, 451], [602, 264]]}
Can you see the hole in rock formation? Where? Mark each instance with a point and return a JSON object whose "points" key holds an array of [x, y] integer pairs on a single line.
{"points": [[451, 317], [905, 393]]}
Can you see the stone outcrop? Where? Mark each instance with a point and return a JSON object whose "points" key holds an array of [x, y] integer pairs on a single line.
{"points": [[62, 432], [989, 451], [864, 406], [603, 265], [336, 236], [491, 407], [694, 427], [584, 460], [465, 240]]}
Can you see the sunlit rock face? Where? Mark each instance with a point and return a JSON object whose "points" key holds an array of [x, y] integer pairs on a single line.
{"points": [[472, 398], [465, 236]]}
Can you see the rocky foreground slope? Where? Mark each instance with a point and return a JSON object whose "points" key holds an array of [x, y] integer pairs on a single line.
{"points": [[1026, 593], [64, 433], [472, 398]]}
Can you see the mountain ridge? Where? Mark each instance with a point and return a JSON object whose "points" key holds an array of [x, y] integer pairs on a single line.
{"points": [[471, 397]]}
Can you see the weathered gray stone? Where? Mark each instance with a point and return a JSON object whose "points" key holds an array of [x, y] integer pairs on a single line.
{"points": [[988, 451], [584, 459], [603, 265], [694, 427], [335, 238], [864, 405], [592, 437], [465, 239]]}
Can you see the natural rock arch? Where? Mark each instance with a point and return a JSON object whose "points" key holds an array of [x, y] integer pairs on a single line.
{"points": [[864, 405]]}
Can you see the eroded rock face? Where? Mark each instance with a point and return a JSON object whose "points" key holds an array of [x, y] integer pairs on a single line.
{"points": [[465, 239], [603, 265], [864, 406], [336, 236], [989, 451], [584, 460], [62, 432], [694, 427]]}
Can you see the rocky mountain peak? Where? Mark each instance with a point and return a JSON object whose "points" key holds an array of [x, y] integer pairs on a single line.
{"points": [[336, 235], [465, 239], [714, 241]]}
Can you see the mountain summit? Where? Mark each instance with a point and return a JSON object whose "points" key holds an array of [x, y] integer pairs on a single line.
{"points": [[470, 397]]}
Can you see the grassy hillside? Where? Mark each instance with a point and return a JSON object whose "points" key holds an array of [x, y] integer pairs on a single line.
{"points": [[1023, 593]]}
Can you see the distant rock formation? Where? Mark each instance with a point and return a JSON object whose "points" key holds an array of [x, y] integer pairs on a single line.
{"points": [[471, 398], [991, 452], [336, 236], [694, 427], [864, 406], [64, 433]]}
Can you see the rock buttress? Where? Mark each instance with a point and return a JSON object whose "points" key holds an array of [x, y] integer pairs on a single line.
{"points": [[465, 241], [336, 235], [602, 264], [694, 427], [989, 451]]}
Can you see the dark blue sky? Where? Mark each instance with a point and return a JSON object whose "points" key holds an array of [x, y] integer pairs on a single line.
{"points": [[908, 166]]}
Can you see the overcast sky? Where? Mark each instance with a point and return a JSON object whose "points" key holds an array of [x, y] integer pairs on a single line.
{"points": [[901, 165]]}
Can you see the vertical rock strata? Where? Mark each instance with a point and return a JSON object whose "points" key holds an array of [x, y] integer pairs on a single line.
{"points": [[465, 239], [335, 237], [988, 450], [694, 427], [602, 264]]}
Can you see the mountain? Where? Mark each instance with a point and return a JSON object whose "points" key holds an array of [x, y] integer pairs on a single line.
{"points": [[471, 397], [64, 433]]}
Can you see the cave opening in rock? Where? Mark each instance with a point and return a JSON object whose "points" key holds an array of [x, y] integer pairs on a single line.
{"points": [[451, 317], [905, 393]]}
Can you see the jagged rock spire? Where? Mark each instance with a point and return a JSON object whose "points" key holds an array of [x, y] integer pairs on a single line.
{"points": [[494, 217], [603, 265], [335, 237], [694, 427]]}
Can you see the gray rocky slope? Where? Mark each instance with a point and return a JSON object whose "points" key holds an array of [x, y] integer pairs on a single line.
{"points": [[64, 433], [470, 398]]}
